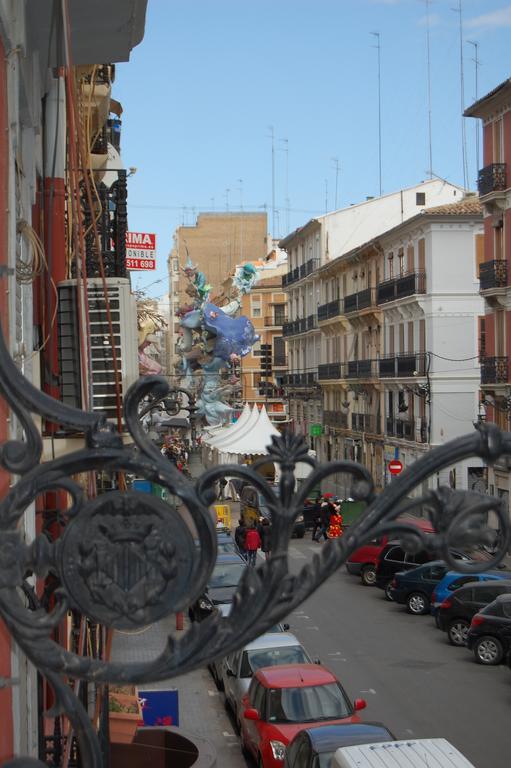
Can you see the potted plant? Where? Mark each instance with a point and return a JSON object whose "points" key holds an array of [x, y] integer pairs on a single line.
{"points": [[124, 713]]}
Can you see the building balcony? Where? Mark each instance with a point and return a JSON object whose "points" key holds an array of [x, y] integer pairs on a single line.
{"points": [[405, 365], [492, 178], [329, 310], [365, 422], [494, 370], [276, 321], [404, 429], [335, 419], [300, 379], [360, 369], [329, 371], [280, 361], [298, 273], [400, 287], [355, 302], [268, 389], [493, 274], [295, 327]]}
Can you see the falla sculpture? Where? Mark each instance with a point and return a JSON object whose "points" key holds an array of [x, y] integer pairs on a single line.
{"points": [[168, 564]]}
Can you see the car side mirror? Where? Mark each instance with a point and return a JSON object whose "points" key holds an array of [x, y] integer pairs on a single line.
{"points": [[286, 627], [359, 704], [251, 714], [317, 660]]}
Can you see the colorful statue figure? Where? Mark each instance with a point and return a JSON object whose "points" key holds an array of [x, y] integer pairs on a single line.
{"points": [[212, 339]]}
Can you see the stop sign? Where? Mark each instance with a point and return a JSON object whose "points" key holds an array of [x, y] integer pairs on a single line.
{"points": [[395, 467]]}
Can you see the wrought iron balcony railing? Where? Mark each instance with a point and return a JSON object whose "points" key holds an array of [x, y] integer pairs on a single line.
{"points": [[493, 274], [275, 320], [400, 287], [335, 419], [329, 371], [365, 422], [360, 369], [494, 370], [307, 379], [298, 273], [406, 365], [492, 178], [330, 309], [355, 302], [295, 327]]}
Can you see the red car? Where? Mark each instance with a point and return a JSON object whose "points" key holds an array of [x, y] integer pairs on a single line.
{"points": [[283, 700], [362, 562]]}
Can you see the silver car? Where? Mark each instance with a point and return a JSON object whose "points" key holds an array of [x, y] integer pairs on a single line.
{"points": [[269, 650]]}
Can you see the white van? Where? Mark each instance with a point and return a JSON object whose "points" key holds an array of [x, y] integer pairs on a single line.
{"points": [[413, 753]]}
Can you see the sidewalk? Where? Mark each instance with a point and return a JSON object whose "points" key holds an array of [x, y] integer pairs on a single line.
{"points": [[201, 708]]}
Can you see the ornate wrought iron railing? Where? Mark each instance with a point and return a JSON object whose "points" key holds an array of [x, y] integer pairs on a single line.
{"points": [[127, 559]]}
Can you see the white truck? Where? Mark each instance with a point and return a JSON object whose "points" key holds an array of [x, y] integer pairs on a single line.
{"points": [[412, 753]]}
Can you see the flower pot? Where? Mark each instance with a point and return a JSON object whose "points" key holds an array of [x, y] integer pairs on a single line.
{"points": [[124, 716]]}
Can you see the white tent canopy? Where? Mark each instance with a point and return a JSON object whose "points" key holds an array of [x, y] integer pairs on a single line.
{"points": [[254, 439], [231, 429]]}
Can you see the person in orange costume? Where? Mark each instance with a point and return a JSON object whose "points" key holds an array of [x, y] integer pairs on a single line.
{"points": [[335, 527]]}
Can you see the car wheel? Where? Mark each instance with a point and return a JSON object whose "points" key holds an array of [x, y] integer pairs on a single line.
{"points": [[488, 650], [388, 587], [368, 575], [417, 603], [457, 632]]}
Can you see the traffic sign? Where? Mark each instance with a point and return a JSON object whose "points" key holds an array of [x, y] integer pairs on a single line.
{"points": [[140, 251], [395, 467]]}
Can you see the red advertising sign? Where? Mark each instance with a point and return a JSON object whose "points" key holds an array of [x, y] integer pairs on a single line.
{"points": [[395, 467], [140, 251]]}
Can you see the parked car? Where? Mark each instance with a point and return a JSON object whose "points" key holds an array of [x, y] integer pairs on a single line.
{"points": [[222, 585], [362, 562], [253, 506], [489, 636], [281, 700], [315, 747], [394, 559], [455, 613], [216, 667], [269, 650], [411, 753], [454, 580], [414, 588]]}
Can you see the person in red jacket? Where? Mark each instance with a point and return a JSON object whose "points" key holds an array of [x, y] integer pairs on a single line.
{"points": [[252, 544]]}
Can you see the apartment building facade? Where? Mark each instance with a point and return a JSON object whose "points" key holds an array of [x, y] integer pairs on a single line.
{"points": [[494, 110], [390, 331], [315, 285]]}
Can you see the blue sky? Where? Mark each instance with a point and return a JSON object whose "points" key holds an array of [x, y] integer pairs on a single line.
{"points": [[211, 77]]}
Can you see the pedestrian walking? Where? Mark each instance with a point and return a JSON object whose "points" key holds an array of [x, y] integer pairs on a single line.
{"points": [[240, 534], [265, 534], [326, 510], [252, 544]]}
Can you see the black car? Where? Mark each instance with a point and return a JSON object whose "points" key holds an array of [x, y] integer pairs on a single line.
{"points": [[414, 588], [393, 559], [489, 636], [222, 585], [315, 747], [455, 613]]}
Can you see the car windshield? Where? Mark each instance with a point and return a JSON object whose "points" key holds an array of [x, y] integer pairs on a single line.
{"points": [[226, 574], [311, 704], [271, 657]]}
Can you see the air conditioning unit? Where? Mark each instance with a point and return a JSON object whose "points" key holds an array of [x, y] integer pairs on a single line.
{"points": [[123, 312]]}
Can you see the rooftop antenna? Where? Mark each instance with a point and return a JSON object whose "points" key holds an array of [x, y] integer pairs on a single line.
{"points": [[326, 195], [272, 136], [428, 64], [240, 182], [378, 48], [335, 161], [227, 199], [477, 62], [459, 11], [285, 149]]}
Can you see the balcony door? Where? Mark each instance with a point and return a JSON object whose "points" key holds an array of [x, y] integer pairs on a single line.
{"points": [[500, 345], [498, 141]]}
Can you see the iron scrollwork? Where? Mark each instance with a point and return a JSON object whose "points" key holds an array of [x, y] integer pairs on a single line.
{"points": [[127, 559]]}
